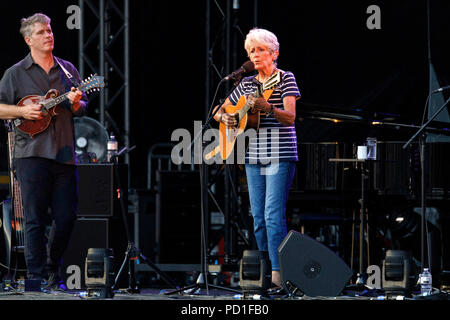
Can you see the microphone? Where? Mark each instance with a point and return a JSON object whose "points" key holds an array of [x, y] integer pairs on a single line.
{"points": [[441, 89], [246, 67]]}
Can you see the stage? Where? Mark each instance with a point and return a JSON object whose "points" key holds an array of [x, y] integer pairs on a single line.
{"points": [[220, 304], [217, 304], [217, 295], [384, 219]]}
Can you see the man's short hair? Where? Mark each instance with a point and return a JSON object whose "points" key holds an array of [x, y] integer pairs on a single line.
{"points": [[26, 24]]}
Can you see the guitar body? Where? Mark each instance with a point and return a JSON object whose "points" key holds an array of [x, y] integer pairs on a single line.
{"points": [[253, 120], [33, 127], [246, 119], [228, 135]]}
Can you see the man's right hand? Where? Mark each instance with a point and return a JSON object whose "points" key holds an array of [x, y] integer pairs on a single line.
{"points": [[31, 111]]}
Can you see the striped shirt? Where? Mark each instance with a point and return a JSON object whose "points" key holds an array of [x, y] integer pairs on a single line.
{"points": [[274, 141]]}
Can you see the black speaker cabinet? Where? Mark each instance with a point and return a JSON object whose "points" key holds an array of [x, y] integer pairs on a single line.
{"points": [[93, 233], [178, 217], [98, 186], [311, 267]]}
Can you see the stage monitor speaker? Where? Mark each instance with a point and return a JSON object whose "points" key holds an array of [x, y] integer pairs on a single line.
{"points": [[98, 189], [309, 266], [92, 233]]}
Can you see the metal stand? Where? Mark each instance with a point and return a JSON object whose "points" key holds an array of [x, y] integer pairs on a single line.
{"points": [[422, 141], [202, 280], [132, 253], [362, 276]]}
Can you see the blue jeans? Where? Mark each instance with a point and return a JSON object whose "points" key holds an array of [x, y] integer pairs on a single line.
{"points": [[268, 187]]}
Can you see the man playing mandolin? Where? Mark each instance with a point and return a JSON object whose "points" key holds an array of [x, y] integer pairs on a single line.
{"points": [[44, 163]]}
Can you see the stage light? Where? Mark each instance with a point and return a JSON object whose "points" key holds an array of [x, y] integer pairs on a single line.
{"points": [[403, 223], [255, 272], [399, 272], [99, 273]]}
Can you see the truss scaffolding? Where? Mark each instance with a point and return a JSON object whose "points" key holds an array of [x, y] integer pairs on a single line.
{"points": [[104, 49]]}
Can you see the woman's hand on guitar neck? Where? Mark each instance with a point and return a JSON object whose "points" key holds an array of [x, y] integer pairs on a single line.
{"points": [[258, 104]]}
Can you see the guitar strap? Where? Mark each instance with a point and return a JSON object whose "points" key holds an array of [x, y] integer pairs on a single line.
{"points": [[67, 73], [267, 94]]}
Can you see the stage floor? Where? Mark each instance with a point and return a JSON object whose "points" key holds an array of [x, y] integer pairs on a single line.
{"points": [[211, 294], [144, 294], [214, 304]]}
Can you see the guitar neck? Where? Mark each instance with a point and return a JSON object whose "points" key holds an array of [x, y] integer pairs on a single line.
{"points": [[244, 110], [261, 89], [10, 159], [13, 183]]}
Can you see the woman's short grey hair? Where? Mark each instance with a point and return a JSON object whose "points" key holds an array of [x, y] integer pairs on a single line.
{"points": [[26, 24], [261, 36]]}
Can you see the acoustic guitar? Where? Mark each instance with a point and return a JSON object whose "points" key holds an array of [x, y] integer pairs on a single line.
{"points": [[49, 102], [227, 134]]}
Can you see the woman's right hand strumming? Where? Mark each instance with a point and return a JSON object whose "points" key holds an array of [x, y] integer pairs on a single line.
{"points": [[229, 119]]}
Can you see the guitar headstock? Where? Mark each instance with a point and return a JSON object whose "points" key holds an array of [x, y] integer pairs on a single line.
{"points": [[272, 81], [92, 83]]}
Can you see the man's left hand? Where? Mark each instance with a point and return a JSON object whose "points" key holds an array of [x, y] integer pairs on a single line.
{"points": [[74, 96]]}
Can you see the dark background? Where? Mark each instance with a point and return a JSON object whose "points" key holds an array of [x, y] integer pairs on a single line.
{"points": [[337, 61]]}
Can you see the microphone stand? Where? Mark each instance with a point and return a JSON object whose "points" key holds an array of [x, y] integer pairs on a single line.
{"points": [[422, 143], [202, 280], [132, 253]]}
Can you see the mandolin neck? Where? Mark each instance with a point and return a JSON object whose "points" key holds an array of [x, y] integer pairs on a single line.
{"points": [[50, 103]]}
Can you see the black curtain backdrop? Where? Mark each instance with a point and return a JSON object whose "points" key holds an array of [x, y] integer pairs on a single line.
{"points": [[336, 59]]}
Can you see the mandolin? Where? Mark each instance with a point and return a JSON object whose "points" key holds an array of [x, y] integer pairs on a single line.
{"points": [[49, 102]]}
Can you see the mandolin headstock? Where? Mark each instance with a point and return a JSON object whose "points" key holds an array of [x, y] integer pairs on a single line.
{"points": [[92, 83]]}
